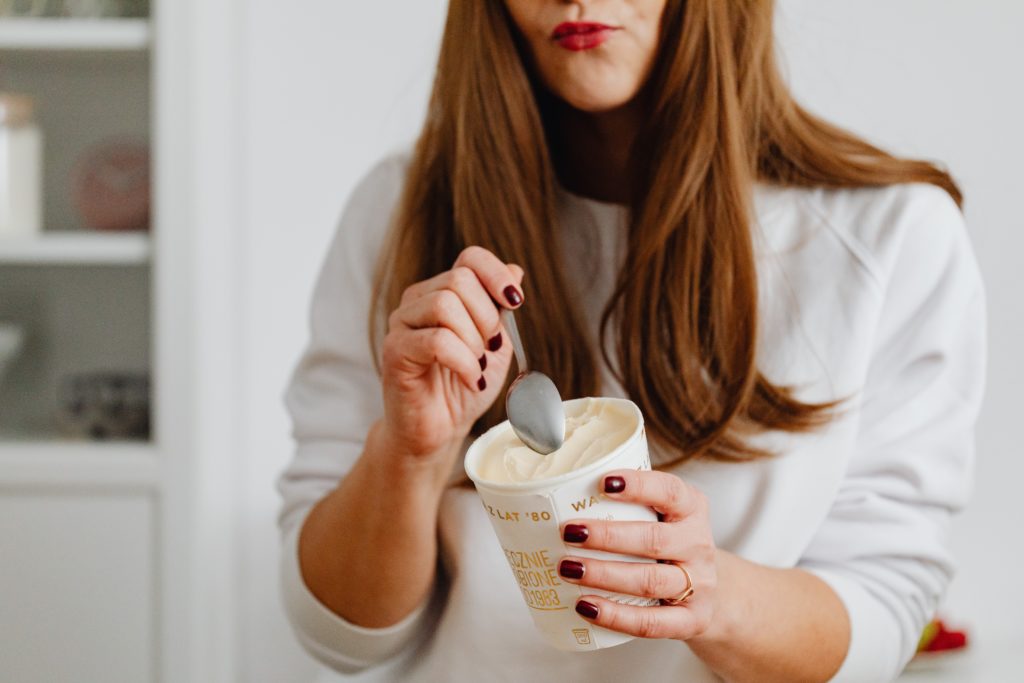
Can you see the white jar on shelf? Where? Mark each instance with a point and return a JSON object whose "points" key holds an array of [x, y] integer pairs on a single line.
{"points": [[21, 168]]}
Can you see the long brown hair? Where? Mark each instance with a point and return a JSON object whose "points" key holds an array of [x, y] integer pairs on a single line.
{"points": [[684, 309]]}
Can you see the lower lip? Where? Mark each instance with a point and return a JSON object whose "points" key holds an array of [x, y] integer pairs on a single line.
{"points": [[585, 41]]}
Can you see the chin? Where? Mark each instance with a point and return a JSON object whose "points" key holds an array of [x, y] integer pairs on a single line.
{"points": [[596, 99]]}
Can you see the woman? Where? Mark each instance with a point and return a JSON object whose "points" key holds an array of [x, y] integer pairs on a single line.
{"points": [[797, 314]]}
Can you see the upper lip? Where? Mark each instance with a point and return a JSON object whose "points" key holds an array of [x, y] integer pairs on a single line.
{"points": [[568, 28]]}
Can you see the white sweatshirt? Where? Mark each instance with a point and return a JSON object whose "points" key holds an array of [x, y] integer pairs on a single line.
{"points": [[871, 294]]}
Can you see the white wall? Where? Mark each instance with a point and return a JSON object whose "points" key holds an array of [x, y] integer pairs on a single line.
{"points": [[331, 86], [941, 79]]}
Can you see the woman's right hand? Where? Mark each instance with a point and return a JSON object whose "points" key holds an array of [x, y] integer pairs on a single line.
{"points": [[445, 356]]}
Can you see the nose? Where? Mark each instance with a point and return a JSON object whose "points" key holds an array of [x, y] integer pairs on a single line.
{"points": [[581, 6]]}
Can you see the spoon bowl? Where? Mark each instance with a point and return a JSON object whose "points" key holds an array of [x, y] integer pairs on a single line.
{"points": [[532, 403], [535, 411]]}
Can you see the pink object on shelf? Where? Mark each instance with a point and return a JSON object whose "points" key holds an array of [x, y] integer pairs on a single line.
{"points": [[112, 187]]}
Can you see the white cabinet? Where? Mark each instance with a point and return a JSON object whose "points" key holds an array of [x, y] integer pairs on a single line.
{"points": [[81, 521], [117, 559], [77, 586]]}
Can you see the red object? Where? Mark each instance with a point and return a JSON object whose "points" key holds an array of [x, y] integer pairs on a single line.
{"points": [[581, 35], [946, 639]]}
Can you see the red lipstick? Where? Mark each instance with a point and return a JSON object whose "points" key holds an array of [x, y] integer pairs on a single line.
{"points": [[581, 35]]}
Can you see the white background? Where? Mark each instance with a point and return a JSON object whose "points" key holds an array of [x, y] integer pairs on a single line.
{"points": [[329, 87]]}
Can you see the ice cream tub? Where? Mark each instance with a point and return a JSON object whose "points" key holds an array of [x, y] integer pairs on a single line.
{"points": [[529, 496]]}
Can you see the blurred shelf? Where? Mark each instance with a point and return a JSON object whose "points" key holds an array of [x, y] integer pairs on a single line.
{"points": [[55, 35], [76, 248], [78, 463]]}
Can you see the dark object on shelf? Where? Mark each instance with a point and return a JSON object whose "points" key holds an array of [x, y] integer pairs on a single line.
{"points": [[90, 9], [29, 8], [12, 337], [133, 8], [111, 186], [105, 405]]}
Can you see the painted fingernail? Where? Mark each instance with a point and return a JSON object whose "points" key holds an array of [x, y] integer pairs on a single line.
{"points": [[483, 362], [614, 484], [512, 295], [571, 569], [494, 343], [575, 533], [586, 609], [481, 383]]}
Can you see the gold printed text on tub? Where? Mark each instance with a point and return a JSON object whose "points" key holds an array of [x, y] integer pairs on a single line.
{"points": [[536, 575], [539, 559], [510, 516], [584, 503]]}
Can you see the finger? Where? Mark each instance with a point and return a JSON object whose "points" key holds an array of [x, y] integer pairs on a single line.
{"points": [[500, 281], [442, 308], [645, 579], [643, 622], [434, 346], [656, 540], [465, 283], [666, 493]]}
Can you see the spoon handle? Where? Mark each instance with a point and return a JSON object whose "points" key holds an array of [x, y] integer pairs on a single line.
{"points": [[508, 317]]}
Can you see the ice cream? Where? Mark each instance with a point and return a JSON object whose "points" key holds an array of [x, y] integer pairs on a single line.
{"points": [[593, 429], [527, 496]]}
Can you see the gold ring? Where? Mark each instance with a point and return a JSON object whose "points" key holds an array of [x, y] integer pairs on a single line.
{"points": [[687, 592]]}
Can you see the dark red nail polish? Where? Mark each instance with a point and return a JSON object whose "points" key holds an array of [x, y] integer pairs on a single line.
{"points": [[571, 569], [512, 295], [614, 484], [575, 533], [494, 343], [481, 383], [586, 609], [483, 362]]}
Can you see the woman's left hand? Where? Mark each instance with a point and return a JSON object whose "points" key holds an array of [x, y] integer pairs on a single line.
{"points": [[683, 537]]}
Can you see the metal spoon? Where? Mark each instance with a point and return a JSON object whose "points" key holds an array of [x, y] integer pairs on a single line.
{"points": [[533, 405]]}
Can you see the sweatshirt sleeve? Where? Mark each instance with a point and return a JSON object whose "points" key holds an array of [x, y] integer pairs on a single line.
{"points": [[334, 396], [883, 546]]}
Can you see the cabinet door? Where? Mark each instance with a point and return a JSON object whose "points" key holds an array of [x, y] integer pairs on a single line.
{"points": [[77, 587]]}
